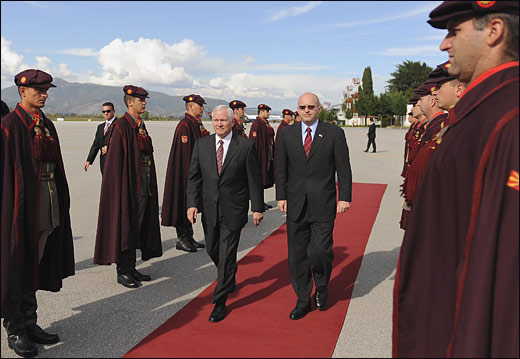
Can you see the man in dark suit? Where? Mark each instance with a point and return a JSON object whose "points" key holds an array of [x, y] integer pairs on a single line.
{"points": [[309, 155], [220, 187], [102, 136], [371, 135]]}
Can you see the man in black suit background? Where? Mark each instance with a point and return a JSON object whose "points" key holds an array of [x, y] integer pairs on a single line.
{"points": [[371, 136], [102, 136], [220, 187], [309, 154]]}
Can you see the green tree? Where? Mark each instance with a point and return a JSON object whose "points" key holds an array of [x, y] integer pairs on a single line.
{"points": [[145, 115], [348, 108], [408, 75], [398, 101], [366, 101]]}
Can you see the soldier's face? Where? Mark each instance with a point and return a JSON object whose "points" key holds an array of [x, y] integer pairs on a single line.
{"points": [[445, 94], [222, 124], [34, 97], [287, 118], [197, 109], [240, 113], [465, 47], [264, 114], [138, 105]]}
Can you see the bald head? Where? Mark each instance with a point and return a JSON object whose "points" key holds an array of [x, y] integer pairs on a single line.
{"points": [[309, 108]]}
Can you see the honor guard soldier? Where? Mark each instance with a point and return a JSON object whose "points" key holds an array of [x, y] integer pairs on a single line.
{"points": [[129, 207], [174, 209], [262, 134], [239, 112], [286, 121], [37, 249], [296, 117], [457, 279]]}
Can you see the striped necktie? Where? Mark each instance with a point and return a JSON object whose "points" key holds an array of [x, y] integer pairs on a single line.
{"points": [[220, 155], [308, 142]]}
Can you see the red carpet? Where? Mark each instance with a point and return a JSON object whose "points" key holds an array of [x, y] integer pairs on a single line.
{"points": [[258, 324]]}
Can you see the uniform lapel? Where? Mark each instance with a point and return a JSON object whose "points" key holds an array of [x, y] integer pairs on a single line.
{"points": [[318, 137]]}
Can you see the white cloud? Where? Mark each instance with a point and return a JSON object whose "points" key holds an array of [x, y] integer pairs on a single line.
{"points": [[12, 63], [293, 11], [80, 52], [425, 50]]}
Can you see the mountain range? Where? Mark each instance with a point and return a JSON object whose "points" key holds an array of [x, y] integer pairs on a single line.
{"points": [[71, 98]]}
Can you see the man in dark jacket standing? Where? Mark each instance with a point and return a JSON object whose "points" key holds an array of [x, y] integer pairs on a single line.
{"points": [[102, 136], [371, 136], [129, 207], [309, 156], [173, 213], [224, 175], [37, 249]]}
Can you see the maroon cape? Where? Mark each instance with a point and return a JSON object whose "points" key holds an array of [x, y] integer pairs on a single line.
{"points": [[20, 211], [174, 199], [118, 220], [457, 282], [238, 128], [262, 134]]}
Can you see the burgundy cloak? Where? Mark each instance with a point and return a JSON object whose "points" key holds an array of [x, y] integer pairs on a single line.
{"points": [[262, 134], [20, 210], [238, 128], [118, 221], [456, 292], [174, 207]]}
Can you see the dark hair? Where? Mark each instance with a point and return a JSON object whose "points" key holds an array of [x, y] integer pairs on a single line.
{"points": [[108, 104], [511, 34], [127, 98]]}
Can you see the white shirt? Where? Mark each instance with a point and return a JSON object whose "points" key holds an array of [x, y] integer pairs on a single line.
{"points": [[313, 128], [226, 140]]}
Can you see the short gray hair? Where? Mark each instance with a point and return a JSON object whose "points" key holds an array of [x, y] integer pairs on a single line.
{"points": [[223, 107]]}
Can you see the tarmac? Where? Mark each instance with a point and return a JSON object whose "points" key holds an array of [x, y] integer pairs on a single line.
{"points": [[98, 318]]}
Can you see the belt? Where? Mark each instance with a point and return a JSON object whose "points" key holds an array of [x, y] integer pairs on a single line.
{"points": [[47, 176]]}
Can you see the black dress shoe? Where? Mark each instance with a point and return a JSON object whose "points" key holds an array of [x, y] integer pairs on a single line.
{"points": [[300, 312], [138, 276], [184, 245], [321, 299], [196, 244], [218, 313], [365, 151], [40, 336], [373, 151], [127, 280], [22, 345]]}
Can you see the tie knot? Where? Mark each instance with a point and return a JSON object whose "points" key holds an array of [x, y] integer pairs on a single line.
{"points": [[309, 130], [221, 142]]}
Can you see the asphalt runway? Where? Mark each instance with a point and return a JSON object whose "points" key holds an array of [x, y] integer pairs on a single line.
{"points": [[98, 318]]}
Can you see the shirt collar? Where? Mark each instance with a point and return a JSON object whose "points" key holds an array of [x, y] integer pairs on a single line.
{"points": [[225, 139], [313, 127]]}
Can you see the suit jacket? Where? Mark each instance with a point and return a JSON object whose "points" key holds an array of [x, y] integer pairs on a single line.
{"points": [[100, 140], [372, 131], [239, 181], [313, 178]]}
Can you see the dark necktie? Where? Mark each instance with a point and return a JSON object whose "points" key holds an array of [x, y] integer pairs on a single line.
{"points": [[220, 155], [308, 142]]}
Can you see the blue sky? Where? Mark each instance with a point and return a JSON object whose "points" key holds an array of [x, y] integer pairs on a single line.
{"points": [[259, 52]]}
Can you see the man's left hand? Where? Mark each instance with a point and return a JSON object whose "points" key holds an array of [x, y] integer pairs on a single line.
{"points": [[257, 218], [343, 206]]}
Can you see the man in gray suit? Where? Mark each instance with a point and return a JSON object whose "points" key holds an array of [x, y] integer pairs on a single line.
{"points": [[224, 175], [309, 155]]}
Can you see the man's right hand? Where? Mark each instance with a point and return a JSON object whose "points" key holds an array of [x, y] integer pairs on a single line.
{"points": [[192, 215], [282, 206], [86, 165]]}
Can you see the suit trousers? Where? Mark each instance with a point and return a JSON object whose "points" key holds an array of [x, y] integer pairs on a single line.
{"points": [[373, 142], [310, 254], [16, 322], [221, 246], [184, 230], [126, 259]]}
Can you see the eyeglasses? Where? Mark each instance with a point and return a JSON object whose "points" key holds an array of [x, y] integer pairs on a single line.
{"points": [[310, 107], [106, 111]]}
